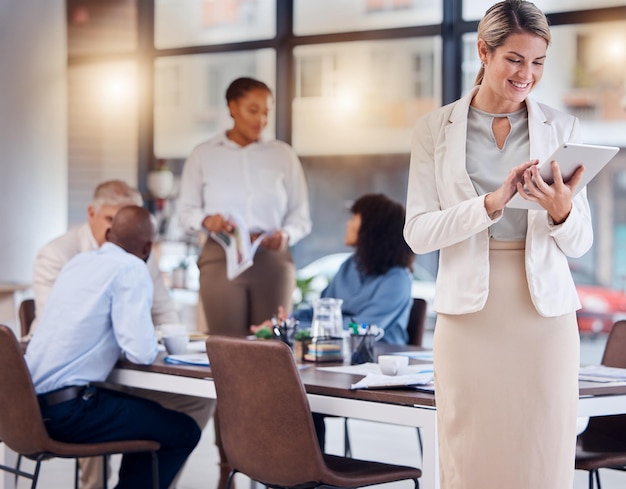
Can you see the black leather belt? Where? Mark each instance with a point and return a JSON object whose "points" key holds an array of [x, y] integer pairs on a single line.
{"points": [[62, 395]]}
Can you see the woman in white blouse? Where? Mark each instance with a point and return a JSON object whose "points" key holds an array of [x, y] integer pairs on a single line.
{"points": [[262, 182]]}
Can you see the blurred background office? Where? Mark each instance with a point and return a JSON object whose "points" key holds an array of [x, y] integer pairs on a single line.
{"points": [[102, 89]]}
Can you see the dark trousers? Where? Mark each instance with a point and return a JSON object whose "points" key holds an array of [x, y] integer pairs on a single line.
{"points": [[102, 415]]}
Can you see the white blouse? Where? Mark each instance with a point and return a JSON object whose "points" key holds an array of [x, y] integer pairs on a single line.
{"points": [[262, 182]]}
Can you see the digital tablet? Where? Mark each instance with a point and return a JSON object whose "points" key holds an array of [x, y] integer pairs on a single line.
{"points": [[570, 156]]}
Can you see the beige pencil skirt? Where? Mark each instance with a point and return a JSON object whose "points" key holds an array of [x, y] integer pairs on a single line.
{"points": [[506, 383]]}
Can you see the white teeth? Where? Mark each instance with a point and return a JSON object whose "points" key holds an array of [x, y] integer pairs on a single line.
{"points": [[519, 85]]}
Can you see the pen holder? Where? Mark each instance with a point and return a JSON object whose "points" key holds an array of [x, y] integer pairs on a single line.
{"points": [[362, 348]]}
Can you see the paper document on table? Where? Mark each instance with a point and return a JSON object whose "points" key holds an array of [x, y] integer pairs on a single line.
{"points": [[418, 355], [237, 246], [200, 359], [360, 369], [374, 368], [601, 373], [379, 381]]}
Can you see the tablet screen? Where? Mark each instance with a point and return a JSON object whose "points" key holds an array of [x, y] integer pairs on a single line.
{"points": [[570, 156]]}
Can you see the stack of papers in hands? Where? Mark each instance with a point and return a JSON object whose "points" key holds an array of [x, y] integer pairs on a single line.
{"points": [[237, 246], [601, 373], [188, 359]]}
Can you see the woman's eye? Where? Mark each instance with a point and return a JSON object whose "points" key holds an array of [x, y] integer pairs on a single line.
{"points": [[513, 60]]}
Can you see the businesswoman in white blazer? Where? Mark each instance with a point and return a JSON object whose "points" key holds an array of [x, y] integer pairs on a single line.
{"points": [[506, 345]]}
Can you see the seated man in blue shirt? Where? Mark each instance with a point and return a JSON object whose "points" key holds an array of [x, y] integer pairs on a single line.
{"points": [[99, 308]]}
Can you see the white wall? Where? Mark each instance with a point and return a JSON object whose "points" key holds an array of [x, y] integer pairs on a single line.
{"points": [[33, 131]]}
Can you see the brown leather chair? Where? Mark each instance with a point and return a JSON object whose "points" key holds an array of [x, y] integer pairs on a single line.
{"points": [[603, 443], [266, 423], [22, 428], [27, 315]]}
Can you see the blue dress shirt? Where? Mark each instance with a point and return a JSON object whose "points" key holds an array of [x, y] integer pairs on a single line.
{"points": [[99, 308]]}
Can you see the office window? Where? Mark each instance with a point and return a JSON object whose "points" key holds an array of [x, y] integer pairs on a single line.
{"points": [[475, 9], [101, 26], [323, 16], [102, 131], [585, 75], [189, 101], [363, 97], [201, 22]]}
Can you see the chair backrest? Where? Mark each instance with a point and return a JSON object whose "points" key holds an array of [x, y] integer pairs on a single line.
{"points": [[265, 421], [27, 315], [21, 425], [615, 349], [417, 321]]}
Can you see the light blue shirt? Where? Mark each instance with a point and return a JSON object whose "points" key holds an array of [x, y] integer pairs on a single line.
{"points": [[99, 308], [384, 300]]}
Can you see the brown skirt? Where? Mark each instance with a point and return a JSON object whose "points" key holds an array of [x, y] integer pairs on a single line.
{"points": [[506, 383]]}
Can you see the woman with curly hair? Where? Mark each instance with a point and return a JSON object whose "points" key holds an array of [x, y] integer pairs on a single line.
{"points": [[375, 281]]}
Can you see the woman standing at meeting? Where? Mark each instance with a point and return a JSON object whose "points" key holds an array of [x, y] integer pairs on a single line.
{"points": [[237, 172], [506, 345]]}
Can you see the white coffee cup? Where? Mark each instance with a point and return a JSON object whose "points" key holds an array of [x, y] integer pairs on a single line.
{"points": [[391, 364], [176, 344], [172, 329]]}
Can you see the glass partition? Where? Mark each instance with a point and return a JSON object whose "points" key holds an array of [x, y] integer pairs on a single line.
{"points": [[201, 22], [189, 96], [102, 130], [363, 97], [585, 75], [101, 26], [475, 9], [323, 16]]}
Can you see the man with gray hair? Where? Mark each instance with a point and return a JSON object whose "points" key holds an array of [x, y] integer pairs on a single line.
{"points": [[109, 197]]}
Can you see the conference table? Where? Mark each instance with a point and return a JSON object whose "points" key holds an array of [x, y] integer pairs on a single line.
{"points": [[329, 393]]}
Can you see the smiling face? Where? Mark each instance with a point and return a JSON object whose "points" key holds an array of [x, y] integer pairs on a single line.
{"points": [[249, 113], [512, 71]]}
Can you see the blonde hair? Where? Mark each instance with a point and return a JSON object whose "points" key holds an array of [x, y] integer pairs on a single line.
{"points": [[510, 17], [115, 193]]}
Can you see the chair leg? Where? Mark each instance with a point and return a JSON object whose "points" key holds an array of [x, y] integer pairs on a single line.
{"points": [[155, 470], [17, 467], [36, 475], [105, 472], [231, 475], [598, 478], [76, 473], [419, 442], [347, 449]]}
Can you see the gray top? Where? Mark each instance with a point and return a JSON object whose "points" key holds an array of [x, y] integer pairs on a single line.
{"points": [[488, 165]]}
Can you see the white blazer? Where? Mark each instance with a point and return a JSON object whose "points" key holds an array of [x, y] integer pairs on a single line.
{"points": [[444, 212]]}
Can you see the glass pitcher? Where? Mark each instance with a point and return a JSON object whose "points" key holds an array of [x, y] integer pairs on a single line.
{"points": [[327, 318]]}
